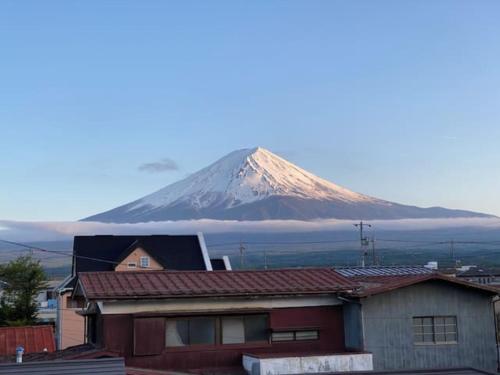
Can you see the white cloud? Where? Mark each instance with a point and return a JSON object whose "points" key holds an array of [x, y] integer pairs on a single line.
{"points": [[46, 231]]}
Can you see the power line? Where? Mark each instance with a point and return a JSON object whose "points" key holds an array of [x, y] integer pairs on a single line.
{"points": [[36, 248]]}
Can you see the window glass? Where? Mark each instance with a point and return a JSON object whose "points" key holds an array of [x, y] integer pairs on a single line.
{"points": [[177, 333], [306, 335], [282, 336], [144, 262], [201, 331], [435, 329], [233, 330], [131, 265], [256, 328]]}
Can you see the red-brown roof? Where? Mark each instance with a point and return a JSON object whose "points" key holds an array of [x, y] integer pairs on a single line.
{"points": [[32, 339], [174, 284], [371, 285]]}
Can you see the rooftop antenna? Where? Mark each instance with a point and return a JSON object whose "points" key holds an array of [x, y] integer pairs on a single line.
{"points": [[363, 241], [374, 257]]}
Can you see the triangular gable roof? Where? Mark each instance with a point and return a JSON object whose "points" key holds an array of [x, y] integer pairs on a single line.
{"points": [[136, 245], [387, 284]]}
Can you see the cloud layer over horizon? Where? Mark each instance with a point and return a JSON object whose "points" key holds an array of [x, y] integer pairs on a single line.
{"points": [[53, 231]]}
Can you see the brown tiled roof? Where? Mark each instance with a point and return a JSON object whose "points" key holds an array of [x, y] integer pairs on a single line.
{"points": [[32, 338], [175, 284], [371, 285]]}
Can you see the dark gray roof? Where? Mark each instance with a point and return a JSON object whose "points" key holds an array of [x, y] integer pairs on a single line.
{"points": [[383, 271], [218, 264], [102, 253], [104, 366]]}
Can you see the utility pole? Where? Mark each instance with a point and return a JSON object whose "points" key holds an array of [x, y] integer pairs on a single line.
{"points": [[242, 255], [362, 240], [452, 252], [374, 258], [265, 259]]}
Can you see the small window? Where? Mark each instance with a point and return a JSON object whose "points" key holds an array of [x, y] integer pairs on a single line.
{"points": [[75, 303], [295, 335], [191, 331], [283, 336], [144, 262], [435, 329], [243, 329], [306, 335], [131, 265]]}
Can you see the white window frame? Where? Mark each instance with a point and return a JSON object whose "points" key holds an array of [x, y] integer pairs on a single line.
{"points": [[147, 260]]}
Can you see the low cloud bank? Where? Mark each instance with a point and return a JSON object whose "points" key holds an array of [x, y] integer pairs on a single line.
{"points": [[53, 231]]}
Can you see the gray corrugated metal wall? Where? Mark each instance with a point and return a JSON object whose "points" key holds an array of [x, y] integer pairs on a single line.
{"points": [[388, 332]]}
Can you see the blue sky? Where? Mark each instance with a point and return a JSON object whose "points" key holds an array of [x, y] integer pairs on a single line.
{"points": [[396, 99]]}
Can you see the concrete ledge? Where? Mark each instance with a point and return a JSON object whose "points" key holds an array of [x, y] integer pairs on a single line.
{"points": [[256, 365]]}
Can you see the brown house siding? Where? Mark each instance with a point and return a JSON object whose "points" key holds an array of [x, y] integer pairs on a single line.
{"points": [[118, 336]]}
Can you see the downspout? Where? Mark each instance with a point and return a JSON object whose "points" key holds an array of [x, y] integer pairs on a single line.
{"points": [[493, 302]]}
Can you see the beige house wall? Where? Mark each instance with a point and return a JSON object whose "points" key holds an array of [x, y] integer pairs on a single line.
{"points": [[135, 257], [71, 325]]}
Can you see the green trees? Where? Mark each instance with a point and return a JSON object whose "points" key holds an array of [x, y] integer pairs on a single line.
{"points": [[21, 280]]}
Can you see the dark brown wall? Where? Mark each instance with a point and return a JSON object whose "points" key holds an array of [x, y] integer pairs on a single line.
{"points": [[118, 336]]}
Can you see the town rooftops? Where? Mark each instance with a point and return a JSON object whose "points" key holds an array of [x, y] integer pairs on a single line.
{"points": [[177, 284], [383, 271], [479, 272], [32, 338]]}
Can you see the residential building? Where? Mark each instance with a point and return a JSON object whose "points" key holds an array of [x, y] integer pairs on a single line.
{"points": [[106, 253], [481, 275], [47, 303], [420, 321], [269, 321]]}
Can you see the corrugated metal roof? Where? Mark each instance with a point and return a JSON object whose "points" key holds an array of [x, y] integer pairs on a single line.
{"points": [[32, 338], [168, 284], [104, 366], [383, 271]]}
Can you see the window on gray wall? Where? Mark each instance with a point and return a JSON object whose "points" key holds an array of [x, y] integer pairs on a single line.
{"points": [[435, 329]]}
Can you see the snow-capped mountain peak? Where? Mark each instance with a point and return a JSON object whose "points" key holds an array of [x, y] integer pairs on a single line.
{"points": [[255, 184], [245, 176]]}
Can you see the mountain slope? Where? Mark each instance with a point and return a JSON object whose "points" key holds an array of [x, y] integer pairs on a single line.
{"points": [[255, 184]]}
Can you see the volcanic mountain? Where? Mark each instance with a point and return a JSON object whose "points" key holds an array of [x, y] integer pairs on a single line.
{"points": [[255, 184]]}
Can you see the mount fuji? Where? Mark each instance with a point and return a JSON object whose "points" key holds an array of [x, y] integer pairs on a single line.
{"points": [[255, 184]]}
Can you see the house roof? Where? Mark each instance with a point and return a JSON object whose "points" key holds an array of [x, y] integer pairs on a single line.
{"points": [[479, 272], [32, 338], [372, 285], [383, 271], [103, 252], [172, 284], [83, 351], [108, 366]]}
